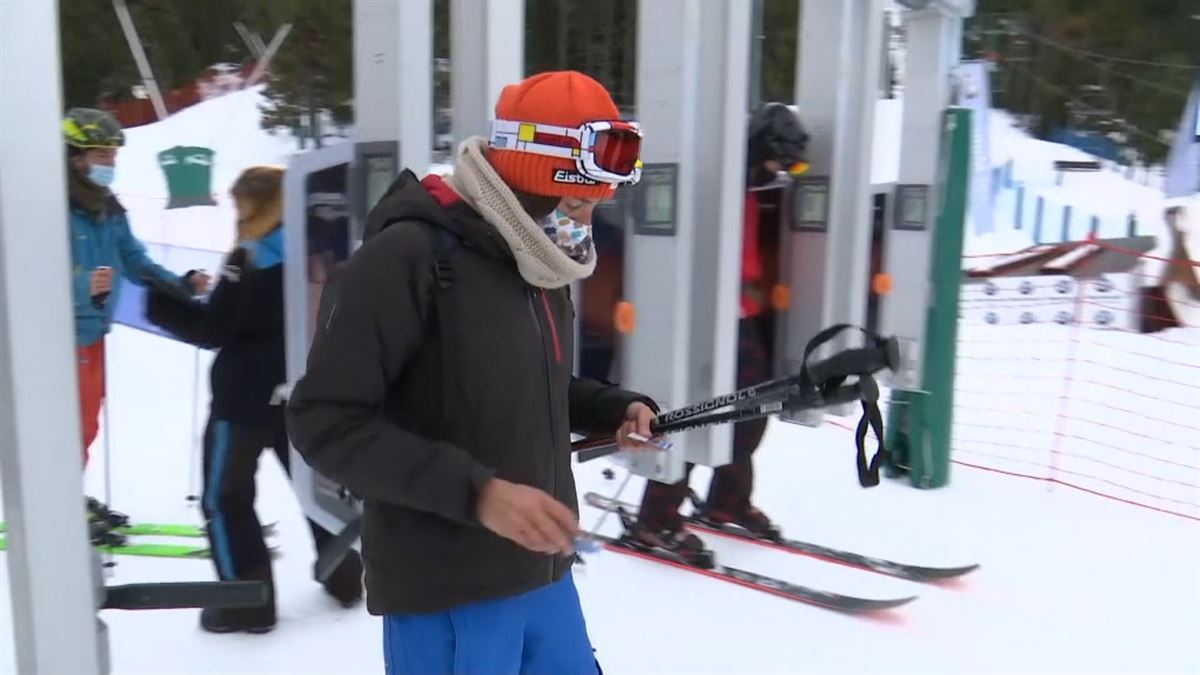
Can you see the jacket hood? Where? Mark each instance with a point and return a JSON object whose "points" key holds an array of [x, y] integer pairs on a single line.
{"points": [[433, 201]]}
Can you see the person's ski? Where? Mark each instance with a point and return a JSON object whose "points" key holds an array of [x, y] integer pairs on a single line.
{"points": [[161, 530], [158, 550], [164, 530], [152, 550], [759, 582], [146, 550], [878, 565]]}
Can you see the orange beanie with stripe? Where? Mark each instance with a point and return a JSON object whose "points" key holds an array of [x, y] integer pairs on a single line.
{"points": [[564, 98]]}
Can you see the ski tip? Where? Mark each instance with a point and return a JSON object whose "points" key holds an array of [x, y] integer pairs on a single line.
{"points": [[883, 605], [945, 573], [865, 607], [877, 611]]}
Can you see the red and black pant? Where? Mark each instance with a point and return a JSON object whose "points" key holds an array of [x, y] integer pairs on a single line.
{"points": [[731, 484]]}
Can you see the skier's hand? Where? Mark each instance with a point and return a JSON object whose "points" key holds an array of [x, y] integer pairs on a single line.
{"points": [[527, 516], [101, 281], [635, 432], [200, 282]]}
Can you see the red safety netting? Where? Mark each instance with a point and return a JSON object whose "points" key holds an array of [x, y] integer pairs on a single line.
{"points": [[1057, 380]]}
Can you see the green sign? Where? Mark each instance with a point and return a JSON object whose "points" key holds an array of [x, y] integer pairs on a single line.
{"points": [[189, 176]]}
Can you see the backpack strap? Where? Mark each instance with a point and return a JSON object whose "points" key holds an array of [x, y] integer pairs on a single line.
{"points": [[445, 243]]}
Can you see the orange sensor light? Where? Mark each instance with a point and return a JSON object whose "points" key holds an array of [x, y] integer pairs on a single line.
{"points": [[625, 317], [881, 284]]}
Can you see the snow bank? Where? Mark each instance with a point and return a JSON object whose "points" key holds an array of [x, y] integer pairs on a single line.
{"points": [[229, 125]]}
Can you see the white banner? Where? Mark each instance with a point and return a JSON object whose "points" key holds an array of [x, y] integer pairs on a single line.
{"points": [[1183, 164], [1110, 301], [974, 92]]}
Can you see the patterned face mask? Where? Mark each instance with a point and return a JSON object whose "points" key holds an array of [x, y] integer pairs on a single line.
{"points": [[572, 236]]}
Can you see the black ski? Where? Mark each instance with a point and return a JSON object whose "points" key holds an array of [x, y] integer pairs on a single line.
{"points": [[759, 582], [878, 565]]}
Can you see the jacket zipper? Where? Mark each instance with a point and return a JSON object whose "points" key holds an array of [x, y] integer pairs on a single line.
{"points": [[549, 400], [553, 328]]}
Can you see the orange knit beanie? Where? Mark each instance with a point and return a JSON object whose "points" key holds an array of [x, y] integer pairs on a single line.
{"points": [[564, 98]]}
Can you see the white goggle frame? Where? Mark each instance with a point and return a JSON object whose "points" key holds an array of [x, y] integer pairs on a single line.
{"points": [[513, 135]]}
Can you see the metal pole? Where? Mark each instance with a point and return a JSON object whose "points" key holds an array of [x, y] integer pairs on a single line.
{"points": [[139, 56], [393, 77], [50, 566], [487, 52], [415, 45], [251, 45], [826, 265], [264, 59], [758, 40]]}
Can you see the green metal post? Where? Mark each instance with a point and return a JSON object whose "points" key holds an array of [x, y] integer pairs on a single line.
{"points": [[920, 422]]}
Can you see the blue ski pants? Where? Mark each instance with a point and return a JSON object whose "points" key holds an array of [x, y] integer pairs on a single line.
{"points": [[541, 632]]}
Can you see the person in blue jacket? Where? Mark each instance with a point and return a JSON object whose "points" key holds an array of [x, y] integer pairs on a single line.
{"points": [[103, 252]]}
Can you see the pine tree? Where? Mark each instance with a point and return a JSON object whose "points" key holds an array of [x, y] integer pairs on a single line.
{"points": [[313, 72], [181, 39], [1113, 67], [96, 61]]}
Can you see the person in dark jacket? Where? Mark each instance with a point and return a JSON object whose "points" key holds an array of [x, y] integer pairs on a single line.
{"points": [[243, 320], [776, 142], [439, 387]]}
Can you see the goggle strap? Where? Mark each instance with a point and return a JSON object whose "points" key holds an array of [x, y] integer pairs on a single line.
{"points": [[521, 136]]}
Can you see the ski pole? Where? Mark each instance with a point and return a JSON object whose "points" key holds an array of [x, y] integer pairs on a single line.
{"points": [[105, 401], [762, 405], [816, 376], [749, 398], [742, 398], [587, 540], [194, 460], [590, 449]]}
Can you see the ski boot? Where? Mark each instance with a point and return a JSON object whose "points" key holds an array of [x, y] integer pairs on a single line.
{"points": [[100, 534], [254, 620], [744, 517], [747, 518], [102, 524], [99, 512], [345, 584], [671, 543], [676, 544]]}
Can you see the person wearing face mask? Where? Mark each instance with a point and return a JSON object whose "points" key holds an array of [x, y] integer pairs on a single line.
{"points": [[243, 320], [776, 143], [103, 252], [439, 386]]}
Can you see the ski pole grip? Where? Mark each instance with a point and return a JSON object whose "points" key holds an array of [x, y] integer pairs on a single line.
{"points": [[861, 361]]}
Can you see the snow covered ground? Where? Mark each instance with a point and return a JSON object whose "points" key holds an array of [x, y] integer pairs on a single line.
{"points": [[1108, 195], [1069, 582]]}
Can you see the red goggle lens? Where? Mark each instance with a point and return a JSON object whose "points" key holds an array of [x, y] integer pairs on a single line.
{"points": [[617, 151]]}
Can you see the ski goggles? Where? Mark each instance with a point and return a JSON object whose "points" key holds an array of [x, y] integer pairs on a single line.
{"points": [[606, 152]]}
